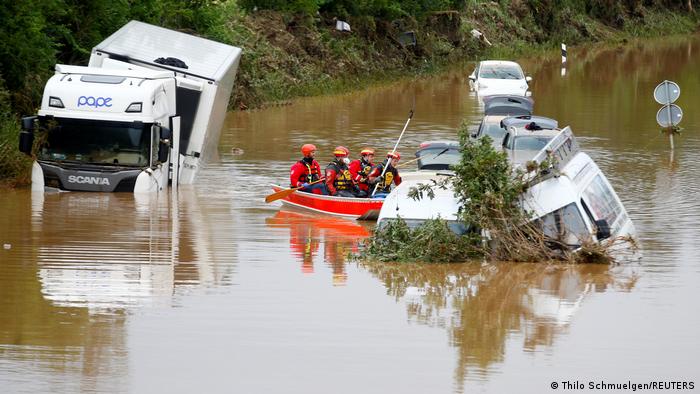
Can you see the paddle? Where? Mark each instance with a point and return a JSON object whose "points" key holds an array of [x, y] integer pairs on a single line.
{"points": [[284, 193], [410, 115]]}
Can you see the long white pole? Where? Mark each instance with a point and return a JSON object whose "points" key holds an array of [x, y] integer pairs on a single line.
{"points": [[410, 115], [668, 107]]}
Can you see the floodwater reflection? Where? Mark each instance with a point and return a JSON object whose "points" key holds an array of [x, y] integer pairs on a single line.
{"points": [[307, 232], [65, 306], [482, 305], [134, 258]]}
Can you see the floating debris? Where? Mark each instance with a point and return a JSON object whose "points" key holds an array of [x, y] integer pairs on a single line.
{"points": [[480, 36], [342, 25]]}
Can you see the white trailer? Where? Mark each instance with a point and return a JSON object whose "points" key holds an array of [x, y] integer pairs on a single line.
{"points": [[148, 95]]}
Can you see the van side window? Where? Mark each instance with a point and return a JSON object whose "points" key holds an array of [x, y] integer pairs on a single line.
{"points": [[602, 204]]}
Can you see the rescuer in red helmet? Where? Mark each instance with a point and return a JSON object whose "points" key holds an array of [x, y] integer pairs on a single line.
{"points": [[361, 168], [391, 175], [338, 178], [306, 171]]}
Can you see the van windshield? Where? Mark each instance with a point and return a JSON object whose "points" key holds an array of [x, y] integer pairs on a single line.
{"points": [[600, 199], [565, 225], [96, 142]]}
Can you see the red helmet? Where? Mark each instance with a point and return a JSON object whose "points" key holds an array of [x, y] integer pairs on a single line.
{"points": [[367, 151], [306, 149], [341, 151], [394, 155]]}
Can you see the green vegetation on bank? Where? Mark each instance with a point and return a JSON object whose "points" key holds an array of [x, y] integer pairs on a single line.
{"points": [[14, 167], [291, 48]]}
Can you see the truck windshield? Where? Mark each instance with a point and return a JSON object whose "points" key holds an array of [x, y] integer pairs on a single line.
{"points": [[97, 142]]}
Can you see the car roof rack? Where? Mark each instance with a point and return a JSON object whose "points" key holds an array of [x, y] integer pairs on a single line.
{"points": [[561, 149], [523, 120]]}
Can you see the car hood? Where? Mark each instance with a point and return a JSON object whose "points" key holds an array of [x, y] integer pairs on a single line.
{"points": [[397, 203]]}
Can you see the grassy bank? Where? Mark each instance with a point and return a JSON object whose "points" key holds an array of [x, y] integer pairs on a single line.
{"points": [[14, 167], [292, 49], [290, 57]]}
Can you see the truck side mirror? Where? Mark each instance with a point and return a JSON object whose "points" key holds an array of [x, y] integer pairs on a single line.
{"points": [[163, 151], [528, 79], [165, 135], [26, 140], [28, 123], [602, 229]]}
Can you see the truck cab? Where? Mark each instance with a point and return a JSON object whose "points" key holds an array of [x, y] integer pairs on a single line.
{"points": [[146, 112]]}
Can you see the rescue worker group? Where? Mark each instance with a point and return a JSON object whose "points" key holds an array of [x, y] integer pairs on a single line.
{"points": [[344, 178]]}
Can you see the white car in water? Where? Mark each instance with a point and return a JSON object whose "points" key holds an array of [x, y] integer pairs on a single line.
{"points": [[434, 162], [496, 77]]}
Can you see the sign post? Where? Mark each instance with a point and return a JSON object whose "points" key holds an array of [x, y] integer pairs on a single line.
{"points": [[670, 115]]}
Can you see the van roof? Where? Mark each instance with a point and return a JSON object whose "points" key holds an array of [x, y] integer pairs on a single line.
{"points": [[145, 43]]}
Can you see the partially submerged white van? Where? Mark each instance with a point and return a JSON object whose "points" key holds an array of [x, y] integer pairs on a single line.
{"points": [[572, 201], [575, 202]]}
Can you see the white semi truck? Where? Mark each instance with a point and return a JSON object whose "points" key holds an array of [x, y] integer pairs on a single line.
{"points": [[146, 111]]}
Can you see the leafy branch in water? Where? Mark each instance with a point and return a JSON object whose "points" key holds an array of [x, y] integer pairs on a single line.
{"points": [[433, 242], [422, 190]]}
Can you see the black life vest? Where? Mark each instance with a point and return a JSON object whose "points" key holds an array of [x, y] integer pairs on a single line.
{"points": [[389, 176], [365, 168], [312, 174], [343, 178]]}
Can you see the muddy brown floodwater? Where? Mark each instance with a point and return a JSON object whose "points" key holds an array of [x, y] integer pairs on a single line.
{"points": [[215, 291]]}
